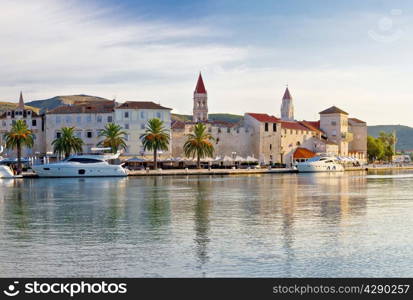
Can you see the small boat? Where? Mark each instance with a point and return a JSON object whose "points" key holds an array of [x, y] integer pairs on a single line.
{"points": [[82, 166], [320, 164]]}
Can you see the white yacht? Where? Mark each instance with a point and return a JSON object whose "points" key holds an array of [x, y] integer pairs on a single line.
{"points": [[320, 164], [81, 166], [6, 172]]}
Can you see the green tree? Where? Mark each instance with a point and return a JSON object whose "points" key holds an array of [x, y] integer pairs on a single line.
{"points": [[389, 141], [114, 137], [156, 137], [199, 144], [375, 149], [19, 136], [67, 142]]}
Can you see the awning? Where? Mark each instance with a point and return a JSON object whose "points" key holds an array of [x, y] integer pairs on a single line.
{"points": [[303, 153]]}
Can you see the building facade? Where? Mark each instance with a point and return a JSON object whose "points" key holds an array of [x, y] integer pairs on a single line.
{"points": [[33, 121]]}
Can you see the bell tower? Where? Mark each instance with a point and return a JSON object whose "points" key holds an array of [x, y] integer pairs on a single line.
{"points": [[200, 111], [287, 107]]}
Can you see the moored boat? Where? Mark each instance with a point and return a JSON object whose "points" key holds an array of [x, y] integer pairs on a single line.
{"points": [[320, 164], [81, 166]]}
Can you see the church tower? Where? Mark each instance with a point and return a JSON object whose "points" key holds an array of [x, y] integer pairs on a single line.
{"points": [[287, 107], [200, 112], [21, 102]]}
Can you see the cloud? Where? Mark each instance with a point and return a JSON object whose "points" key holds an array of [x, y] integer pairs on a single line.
{"points": [[53, 48]]}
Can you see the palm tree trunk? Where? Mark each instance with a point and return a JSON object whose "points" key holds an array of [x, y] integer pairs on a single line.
{"points": [[19, 159], [155, 161], [198, 162]]}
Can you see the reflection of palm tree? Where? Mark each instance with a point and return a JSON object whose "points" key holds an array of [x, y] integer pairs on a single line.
{"points": [[20, 211], [159, 210], [202, 209]]}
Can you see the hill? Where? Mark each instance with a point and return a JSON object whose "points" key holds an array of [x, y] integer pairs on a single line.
{"points": [[404, 134], [12, 105], [49, 104]]}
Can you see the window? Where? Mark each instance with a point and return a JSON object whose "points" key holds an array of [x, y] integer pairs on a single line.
{"points": [[219, 131], [13, 122], [126, 137], [266, 126], [109, 119], [298, 144], [158, 115], [209, 129], [99, 119], [4, 123], [334, 123], [142, 115], [142, 125], [89, 134], [34, 122], [78, 134], [89, 118], [274, 127], [68, 119], [270, 146], [228, 130], [126, 114], [79, 119], [334, 132], [58, 135], [126, 126]]}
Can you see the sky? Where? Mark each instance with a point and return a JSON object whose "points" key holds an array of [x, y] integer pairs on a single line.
{"points": [[352, 54]]}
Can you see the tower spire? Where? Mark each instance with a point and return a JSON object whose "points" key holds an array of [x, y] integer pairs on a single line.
{"points": [[200, 87], [21, 102], [287, 107]]}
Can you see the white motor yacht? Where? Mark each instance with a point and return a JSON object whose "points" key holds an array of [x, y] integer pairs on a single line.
{"points": [[320, 164], [81, 166]]}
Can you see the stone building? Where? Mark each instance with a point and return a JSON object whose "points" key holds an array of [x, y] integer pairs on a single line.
{"points": [[90, 118], [133, 117], [87, 118], [34, 122]]}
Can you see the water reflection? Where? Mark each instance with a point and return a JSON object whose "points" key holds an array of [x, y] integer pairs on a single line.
{"points": [[257, 225]]}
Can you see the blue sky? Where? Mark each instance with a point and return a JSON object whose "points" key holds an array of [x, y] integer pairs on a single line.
{"points": [[352, 54]]}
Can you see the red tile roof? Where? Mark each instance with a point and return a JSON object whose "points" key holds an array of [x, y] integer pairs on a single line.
{"points": [[200, 87], [141, 105], [177, 124], [293, 125], [287, 94], [303, 153], [314, 126], [84, 108], [357, 120], [333, 110], [264, 118]]}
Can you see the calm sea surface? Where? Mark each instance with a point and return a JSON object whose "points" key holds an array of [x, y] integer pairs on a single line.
{"points": [[289, 225]]}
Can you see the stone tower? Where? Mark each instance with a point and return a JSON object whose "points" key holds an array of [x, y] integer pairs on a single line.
{"points": [[200, 112], [287, 107], [21, 102]]}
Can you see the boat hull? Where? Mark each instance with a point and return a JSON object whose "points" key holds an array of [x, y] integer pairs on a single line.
{"points": [[62, 170], [6, 172], [310, 168]]}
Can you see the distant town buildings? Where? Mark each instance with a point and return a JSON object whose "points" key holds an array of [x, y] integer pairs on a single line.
{"points": [[259, 136], [276, 140]]}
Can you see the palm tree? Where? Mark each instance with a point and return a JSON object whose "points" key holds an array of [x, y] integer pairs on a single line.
{"points": [[156, 137], [114, 137], [199, 143], [19, 136], [67, 142]]}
